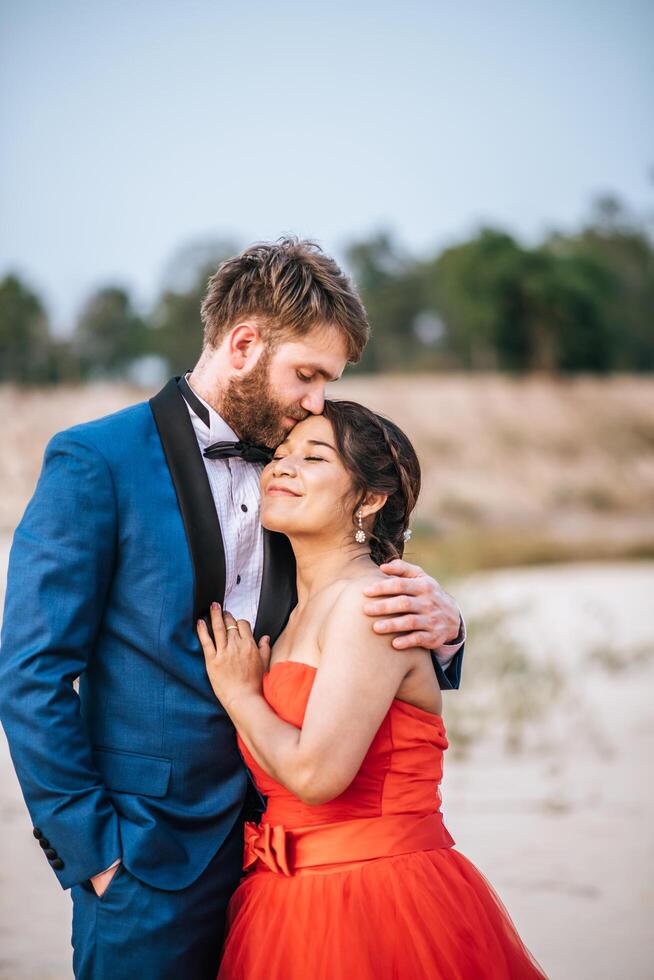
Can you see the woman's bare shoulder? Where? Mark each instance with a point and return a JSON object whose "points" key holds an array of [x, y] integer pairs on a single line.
{"points": [[343, 610], [349, 616], [347, 592]]}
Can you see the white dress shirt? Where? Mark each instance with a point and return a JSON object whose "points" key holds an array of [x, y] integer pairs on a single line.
{"points": [[234, 486]]}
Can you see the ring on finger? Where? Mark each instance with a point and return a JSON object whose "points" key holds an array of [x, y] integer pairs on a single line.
{"points": [[231, 628]]}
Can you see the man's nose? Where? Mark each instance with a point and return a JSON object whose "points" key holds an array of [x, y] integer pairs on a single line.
{"points": [[315, 401]]}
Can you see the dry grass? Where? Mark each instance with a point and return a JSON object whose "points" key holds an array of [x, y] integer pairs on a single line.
{"points": [[515, 470]]}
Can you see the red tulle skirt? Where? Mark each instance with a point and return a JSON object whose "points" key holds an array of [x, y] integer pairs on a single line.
{"points": [[424, 915]]}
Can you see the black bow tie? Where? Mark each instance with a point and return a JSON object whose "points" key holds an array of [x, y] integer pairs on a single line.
{"points": [[249, 451]]}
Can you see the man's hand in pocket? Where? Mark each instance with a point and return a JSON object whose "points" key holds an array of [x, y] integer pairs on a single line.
{"points": [[101, 882]]}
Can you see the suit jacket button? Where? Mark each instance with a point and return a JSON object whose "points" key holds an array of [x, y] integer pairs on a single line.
{"points": [[50, 853], [57, 864], [37, 833], [44, 842]]}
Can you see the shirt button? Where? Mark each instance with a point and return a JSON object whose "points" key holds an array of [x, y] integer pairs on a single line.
{"points": [[243, 507], [238, 579]]}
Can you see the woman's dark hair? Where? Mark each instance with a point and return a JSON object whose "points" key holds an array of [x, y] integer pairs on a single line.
{"points": [[380, 459]]}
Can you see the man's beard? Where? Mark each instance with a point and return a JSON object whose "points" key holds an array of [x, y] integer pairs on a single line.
{"points": [[249, 406]]}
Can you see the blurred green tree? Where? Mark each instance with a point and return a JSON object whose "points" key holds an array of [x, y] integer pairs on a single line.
{"points": [[109, 334], [616, 244], [474, 288], [391, 289], [566, 304], [518, 309], [25, 341]]}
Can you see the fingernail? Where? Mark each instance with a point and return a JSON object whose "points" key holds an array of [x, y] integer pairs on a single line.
{"points": [[214, 605]]}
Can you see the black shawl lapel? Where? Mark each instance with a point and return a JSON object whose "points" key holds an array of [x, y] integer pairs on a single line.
{"points": [[194, 496], [278, 588]]}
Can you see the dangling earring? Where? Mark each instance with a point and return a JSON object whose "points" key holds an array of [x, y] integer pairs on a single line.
{"points": [[360, 535]]}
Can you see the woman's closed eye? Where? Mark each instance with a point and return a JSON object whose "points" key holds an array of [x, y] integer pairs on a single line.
{"points": [[318, 459]]}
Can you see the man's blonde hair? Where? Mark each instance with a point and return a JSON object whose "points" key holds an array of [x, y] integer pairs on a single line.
{"points": [[290, 286]]}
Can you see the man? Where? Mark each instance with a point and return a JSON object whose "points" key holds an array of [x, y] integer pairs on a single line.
{"points": [[141, 519]]}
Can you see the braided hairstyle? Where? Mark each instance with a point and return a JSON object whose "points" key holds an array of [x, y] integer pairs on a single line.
{"points": [[380, 459]]}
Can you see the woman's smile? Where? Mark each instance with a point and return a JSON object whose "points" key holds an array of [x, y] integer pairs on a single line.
{"points": [[276, 489]]}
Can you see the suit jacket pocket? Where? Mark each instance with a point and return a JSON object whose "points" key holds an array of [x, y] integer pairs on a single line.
{"points": [[129, 772]]}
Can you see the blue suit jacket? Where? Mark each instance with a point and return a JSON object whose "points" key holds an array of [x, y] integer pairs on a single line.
{"points": [[119, 552]]}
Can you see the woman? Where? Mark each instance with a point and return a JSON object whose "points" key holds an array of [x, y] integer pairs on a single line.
{"points": [[351, 872]]}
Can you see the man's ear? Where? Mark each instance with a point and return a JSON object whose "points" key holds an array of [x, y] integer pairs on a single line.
{"points": [[244, 342]]}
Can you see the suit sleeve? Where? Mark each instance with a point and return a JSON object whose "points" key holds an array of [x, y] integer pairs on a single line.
{"points": [[60, 570], [448, 660]]}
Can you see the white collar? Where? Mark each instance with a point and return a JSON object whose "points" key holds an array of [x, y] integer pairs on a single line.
{"points": [[218, 429]]}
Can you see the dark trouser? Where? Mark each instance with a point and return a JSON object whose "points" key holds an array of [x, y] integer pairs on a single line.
{"points": [[137, 932]]}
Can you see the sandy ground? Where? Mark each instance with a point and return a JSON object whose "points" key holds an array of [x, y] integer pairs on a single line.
{"points": [[562, 829]]}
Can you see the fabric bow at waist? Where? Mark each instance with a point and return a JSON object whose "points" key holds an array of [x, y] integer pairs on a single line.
{"points": [[284, 851]]}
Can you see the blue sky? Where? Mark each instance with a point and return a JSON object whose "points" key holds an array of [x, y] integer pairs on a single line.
{"points": [[130, 129]]}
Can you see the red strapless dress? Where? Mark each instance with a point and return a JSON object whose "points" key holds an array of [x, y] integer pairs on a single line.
{"points": [[367, 886]]}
